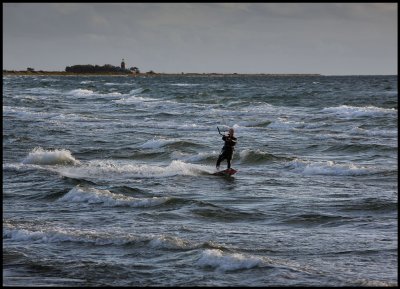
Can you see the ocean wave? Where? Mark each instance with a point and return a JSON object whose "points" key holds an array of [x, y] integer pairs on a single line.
{"points": [[373, 283], [357, 140], [43, 234], [134, 99], [369, 204], [219, 260], [25, 113], [84, 93], [249, 156], [39, 156], [157, 143], [327, 168], [42, 91], [139, 90], [170, 242], [118, 84], [144, 155], [34, 233], [348, 111], [105, 197], [101, 168], [246, 156], [199, 157], [21, 235], [255, 123], [284, 124], [81, 92], [172, 124], [54, 118], [316, 219], [184, 84], [375, 132], [226, 214]]}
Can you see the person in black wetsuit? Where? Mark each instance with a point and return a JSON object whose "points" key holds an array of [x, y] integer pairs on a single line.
{"points": [[227, 150]]}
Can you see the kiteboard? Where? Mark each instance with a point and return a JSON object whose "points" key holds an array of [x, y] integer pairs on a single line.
{"points": [[227, 172]]}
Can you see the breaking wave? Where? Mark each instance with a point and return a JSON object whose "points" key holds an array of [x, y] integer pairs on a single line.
{"points": [[219, 260], [101, 168], [43, 234], [107, 198], [39, 156]]}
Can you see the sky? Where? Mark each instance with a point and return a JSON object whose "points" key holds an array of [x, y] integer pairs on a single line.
{"points": [[322, 38]]}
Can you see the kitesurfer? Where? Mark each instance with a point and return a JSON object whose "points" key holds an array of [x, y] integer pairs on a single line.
{"points": [[227, 150]]}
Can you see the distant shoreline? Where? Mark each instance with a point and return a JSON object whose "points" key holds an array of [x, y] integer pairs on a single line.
{"points": [[63, 73]]}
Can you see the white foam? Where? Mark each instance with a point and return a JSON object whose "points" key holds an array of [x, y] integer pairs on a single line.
{"points": [[136, 90], [113, 94], [190, 126], [348, 111], [327, 168], [39, 156], [226, 262], [21, 235], [178, 167], [27, 113], [101, 168], [117, 84], [134, 99], [245, 153], [81, 92], [107, 198], [185, 84], [169, 242]]}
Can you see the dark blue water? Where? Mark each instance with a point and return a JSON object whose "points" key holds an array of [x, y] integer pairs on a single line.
{"points": [[108, 181]]}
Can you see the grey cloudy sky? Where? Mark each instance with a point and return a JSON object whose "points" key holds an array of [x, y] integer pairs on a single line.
{"points": [[325, 38]]}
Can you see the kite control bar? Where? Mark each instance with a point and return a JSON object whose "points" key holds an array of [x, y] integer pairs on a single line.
{"points": [[219, 131]]}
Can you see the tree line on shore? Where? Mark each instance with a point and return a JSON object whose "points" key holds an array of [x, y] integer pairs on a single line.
{"points": [[89, 68]]}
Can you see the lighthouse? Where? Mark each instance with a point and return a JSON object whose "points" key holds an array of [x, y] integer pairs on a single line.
{"points": [[123, 64]]}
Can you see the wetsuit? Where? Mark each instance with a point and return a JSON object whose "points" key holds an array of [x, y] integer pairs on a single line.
{"points": [[227, 150]]}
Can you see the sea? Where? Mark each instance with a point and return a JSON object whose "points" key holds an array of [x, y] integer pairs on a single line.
{"points": [[108, 181]]}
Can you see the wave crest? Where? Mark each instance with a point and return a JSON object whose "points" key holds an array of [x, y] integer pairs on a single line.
{"points": [[227, 262], [107, 198], [256, 156], [39, 156]]}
